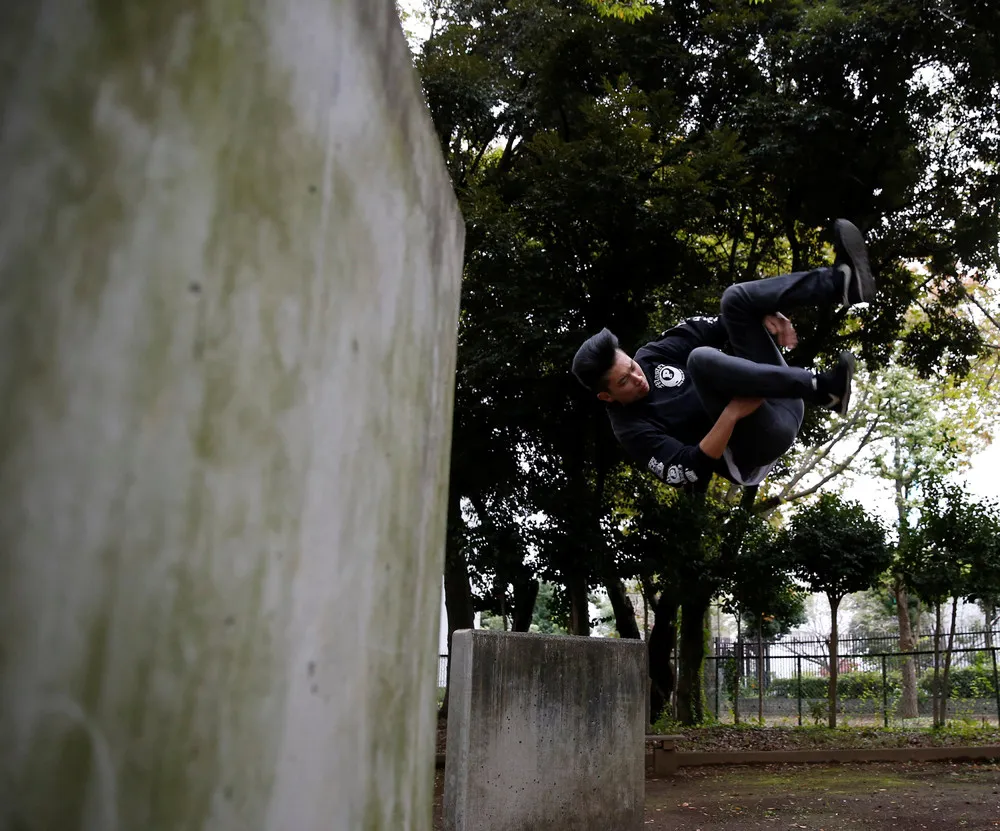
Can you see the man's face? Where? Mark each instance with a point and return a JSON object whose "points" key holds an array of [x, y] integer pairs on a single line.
{"points": [[625, 382]]}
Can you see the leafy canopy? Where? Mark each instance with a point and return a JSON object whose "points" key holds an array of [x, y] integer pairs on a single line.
{"points": [[837, 547]]}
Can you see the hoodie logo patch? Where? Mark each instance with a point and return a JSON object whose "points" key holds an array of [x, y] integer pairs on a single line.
{"points": [[668, 376]]}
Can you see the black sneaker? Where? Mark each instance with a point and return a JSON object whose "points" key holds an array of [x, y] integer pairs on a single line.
{"points": [[833, 388], [859, 285]]}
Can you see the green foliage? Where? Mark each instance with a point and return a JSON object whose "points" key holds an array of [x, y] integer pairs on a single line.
{"points": [[955, 550], [494, 623], [971, 682], [761, 588], [730, 677], [964, 682], [850, 685], [624, 175], [837, 547], [665, 724], [629, 10], [873, 615], [654, 521], [786, 610], [549, 616]]}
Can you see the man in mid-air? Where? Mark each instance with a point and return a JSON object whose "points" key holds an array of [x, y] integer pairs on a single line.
{"points": [[685, 410]]}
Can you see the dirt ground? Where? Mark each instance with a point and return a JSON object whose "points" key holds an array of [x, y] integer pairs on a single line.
{"points": [[908, 797]]}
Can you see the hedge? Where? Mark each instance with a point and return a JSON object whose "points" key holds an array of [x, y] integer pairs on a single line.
{"points": [[963, 682], [849, 685]]}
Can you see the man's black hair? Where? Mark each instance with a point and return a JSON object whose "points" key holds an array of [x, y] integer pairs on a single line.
{"points": [[593, 360]]}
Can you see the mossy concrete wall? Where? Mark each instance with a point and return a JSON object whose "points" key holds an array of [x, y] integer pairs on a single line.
{"points": [[545, 733], [229, 275]]}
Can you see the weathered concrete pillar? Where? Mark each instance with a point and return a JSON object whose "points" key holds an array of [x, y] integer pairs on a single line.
{"points": [[229, 272], [545, 732]]}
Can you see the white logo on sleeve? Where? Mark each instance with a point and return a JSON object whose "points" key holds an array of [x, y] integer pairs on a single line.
{"points": [[668, 376], [673, 475]]}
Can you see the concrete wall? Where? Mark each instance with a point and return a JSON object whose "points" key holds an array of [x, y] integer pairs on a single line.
{"points": [[545, 733], [229, 277]]}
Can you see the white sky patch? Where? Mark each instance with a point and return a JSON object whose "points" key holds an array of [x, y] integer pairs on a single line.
{"points": [[416, 21]]}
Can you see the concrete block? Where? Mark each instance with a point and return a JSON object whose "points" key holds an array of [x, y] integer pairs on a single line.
{"points": [[230, 262], [545, 733]]}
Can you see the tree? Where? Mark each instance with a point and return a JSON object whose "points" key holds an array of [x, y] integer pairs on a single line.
{"points": [[874, 614], [549, 616], [907, 429], [930, 427], [671, 541], [761, 592], [624, 174], [628, 10], [837, 549], [953, 553]]}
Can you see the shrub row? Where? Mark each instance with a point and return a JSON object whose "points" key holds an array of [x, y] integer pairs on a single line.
{"points": [[963, 682], [849, 685]]}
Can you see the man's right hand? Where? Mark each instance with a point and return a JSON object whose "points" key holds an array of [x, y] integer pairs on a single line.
{"points": [[782, 329]]}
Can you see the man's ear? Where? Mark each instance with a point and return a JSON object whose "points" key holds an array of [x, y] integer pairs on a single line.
{"points": [[607, 399]]}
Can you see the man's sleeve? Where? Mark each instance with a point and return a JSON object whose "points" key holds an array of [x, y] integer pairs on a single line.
{"points": [[676, 343], [680, 465], [706, 331]]}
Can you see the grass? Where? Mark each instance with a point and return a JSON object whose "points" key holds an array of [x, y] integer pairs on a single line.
{"points": [[830, 780], [754, 737]]}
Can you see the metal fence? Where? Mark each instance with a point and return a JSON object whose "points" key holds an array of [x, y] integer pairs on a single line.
{"points": [[818, 650], [786, 682]]}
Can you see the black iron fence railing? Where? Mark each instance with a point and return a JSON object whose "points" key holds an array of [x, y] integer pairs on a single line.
{"points": [[743, 685], [787, 681]]}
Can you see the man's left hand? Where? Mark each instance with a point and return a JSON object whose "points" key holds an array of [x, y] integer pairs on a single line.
{"points": [[782, 329]]}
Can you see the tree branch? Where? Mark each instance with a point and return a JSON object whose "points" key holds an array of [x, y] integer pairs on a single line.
{"points": [[817, 454], [769, 504]]}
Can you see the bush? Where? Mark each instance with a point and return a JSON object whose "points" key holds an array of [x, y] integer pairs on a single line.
{"points": [[866, 684], [812, 687], [850, 685], [964, 682], [973, 682]]}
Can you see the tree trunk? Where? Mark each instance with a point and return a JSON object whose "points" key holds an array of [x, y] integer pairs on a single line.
{"points": [[579, 604], [760, 672], [500, 598], [834, 659], [710, 652], [457, 590], [504, 555], [947, 661], [645, 614], [989, 612], [937, 665], [908, 701], [738, 654], [625, 621], [661, 647], [690, 692], [525, 595]]}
